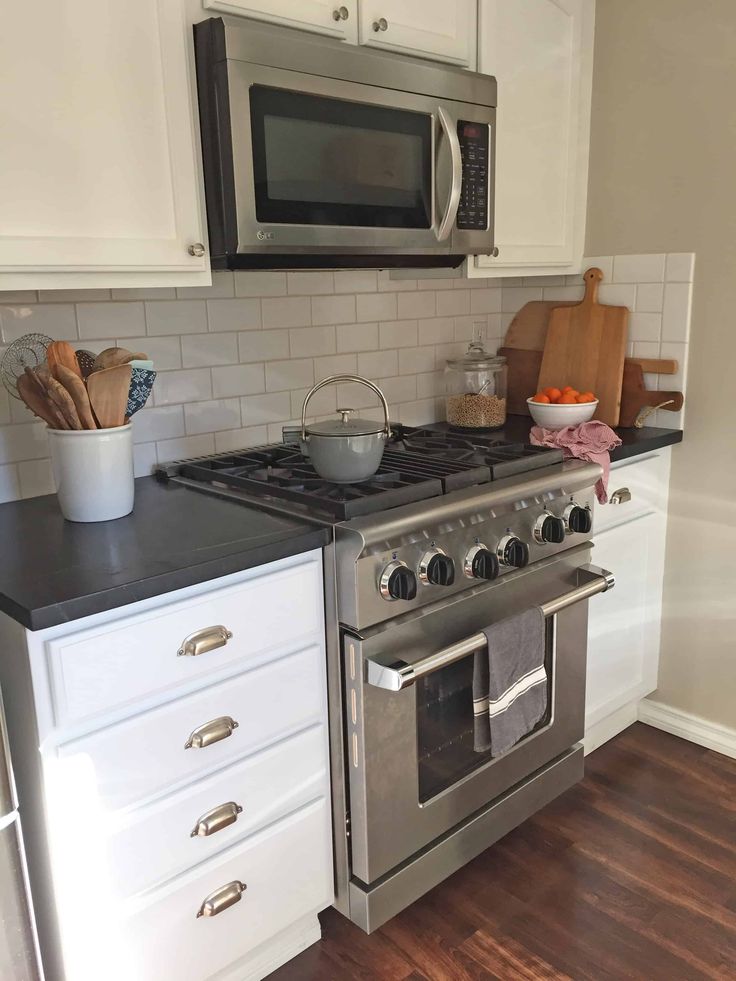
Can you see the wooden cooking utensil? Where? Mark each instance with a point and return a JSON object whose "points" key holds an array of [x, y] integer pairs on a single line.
{"points": [[635, 396], [64, 402], [59, 352], [113, 356], [78, 391], [108, 393], [586, 348], [39, 403], [528, 330]]}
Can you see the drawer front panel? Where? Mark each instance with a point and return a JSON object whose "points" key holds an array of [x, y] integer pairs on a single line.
{"points": [[144, 756], [645, 480], [287, 872], [155, 843], [112, 666]]}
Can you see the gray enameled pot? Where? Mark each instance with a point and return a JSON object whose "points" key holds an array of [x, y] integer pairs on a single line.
{"points": [[345, 450]]}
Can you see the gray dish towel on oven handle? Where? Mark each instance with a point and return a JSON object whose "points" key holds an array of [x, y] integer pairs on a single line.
{"points": [[510, 689]]}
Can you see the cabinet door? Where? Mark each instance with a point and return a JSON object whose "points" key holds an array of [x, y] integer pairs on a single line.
{"points": [[624, 624], [98, 150], [337, 18], [541, 53], [432, 28]]}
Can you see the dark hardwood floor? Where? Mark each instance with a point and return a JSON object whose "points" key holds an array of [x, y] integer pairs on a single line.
{"points": [[631, 874]]}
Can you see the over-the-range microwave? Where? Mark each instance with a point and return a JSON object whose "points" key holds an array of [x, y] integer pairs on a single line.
{"points": [[318, 153]]}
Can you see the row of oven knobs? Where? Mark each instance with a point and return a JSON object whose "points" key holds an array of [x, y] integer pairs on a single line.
{"points": [[436, 568]]}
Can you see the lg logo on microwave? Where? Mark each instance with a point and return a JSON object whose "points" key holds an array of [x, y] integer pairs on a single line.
{"points": [[263, 236]]}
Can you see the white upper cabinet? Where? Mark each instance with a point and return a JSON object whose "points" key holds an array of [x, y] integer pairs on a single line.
{"points": [[337, 19], [432, 28], [99, 181], [541, 52]]}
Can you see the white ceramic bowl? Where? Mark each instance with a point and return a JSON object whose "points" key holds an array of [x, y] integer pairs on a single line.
{"points": [[552, 416]]}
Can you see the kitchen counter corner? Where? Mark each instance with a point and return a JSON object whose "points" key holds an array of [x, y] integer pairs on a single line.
{"points": [[55, 571]]}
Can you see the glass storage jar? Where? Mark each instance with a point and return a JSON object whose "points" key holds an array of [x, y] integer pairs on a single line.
{"points": [[475, 389]]}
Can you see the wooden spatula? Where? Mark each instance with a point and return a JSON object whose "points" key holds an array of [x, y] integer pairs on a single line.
{"points": [[78, 391], [59, 352], [64, 402], [39, 403], [108, 393]]}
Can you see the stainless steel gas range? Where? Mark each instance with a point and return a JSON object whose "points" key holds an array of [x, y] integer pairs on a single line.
{"points": [[454, 533]]}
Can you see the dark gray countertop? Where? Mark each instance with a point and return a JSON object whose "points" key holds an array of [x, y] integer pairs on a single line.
{"points": [[54, 571]]}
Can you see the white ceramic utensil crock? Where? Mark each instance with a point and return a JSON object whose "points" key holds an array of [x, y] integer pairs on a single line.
{"points": [[93, 471], [345, 450]]}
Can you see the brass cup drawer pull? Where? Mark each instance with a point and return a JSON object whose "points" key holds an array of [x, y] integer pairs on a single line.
{"points": [[204, 640], [215, 820], [621, 496], [222, 898], [211, 732]]}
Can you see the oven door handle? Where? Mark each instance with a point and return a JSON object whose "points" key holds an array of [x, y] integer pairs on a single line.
{"points": [[453, 202], [400, 675]]}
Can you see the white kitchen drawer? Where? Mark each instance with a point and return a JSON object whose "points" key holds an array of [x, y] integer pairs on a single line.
{"points": [[155, 842], [646, 480], [287, 869], [135, 657], [145, 756]]}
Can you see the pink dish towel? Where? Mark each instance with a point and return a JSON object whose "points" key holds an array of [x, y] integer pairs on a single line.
{"points": [[589, 441]]}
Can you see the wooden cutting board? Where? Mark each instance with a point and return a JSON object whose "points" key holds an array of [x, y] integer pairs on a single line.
{"points": [[528, 330], [635, 396], [586, 348]]}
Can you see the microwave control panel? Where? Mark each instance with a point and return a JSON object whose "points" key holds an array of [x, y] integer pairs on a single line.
{"points": [[473, 210]]}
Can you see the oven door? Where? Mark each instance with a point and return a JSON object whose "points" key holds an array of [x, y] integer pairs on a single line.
{"points": [[413, 772], [330, 165]]}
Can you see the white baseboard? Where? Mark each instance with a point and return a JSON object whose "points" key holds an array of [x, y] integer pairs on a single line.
{"points": [[600, 732], [274, 953], [711, 735]]}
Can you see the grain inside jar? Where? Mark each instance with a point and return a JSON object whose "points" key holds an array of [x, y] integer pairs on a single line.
{"points": [[475, 411]]}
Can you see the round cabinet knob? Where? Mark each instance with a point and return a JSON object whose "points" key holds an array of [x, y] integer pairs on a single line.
{"points": [[513, 552], [197, 250], [578, 520], [380, 25], [481, 563], [549, 530], [341, 13], [398, 582], [436, 568]]}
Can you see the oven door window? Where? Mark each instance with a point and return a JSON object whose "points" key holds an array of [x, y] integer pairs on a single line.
{"points": [[320, 161], [445, 722]]}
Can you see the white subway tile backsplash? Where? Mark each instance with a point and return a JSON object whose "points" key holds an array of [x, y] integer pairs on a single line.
{"points": [[564, 293], [309, 283], [311, 342], [57, 321], [419, 413], [187, 446], [236, 314], [617, 294], [260, 410], [602, 262], [291, 311], [286, 375], [649, 298], [676, 311], [158, 422], [222, 286], [375, 306], [435, 330], [263, 345], [333, 309], [485, 301], [515, 298], [145, 458], [181, 387], [255, 283], [72, 296], [356, 280], [209, 417], [110, 319], [415, 304], [336, 364], [357, 337], [26, 441], [648, 268], [645, 327], [378, 364], [5, 407], [172, 317], [680, 267], [153, 293], [36, 478], [400, 333], [10, 487], [453, 303], [414, 360], [322, 403], [238, 439], [204, 350], [165, 352], [237, 379]]}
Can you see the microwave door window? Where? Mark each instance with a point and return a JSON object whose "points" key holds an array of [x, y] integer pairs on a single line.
{"points": [[331, 162]]}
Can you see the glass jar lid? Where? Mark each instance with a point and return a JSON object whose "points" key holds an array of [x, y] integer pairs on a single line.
{"points": [[476, 358]]}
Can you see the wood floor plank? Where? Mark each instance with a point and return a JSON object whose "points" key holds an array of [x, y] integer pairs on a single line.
{"points": [[629, 875]]}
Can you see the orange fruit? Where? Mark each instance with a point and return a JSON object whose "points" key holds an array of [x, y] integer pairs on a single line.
{"points": [[586, 397], [552, 394], [567, 388], [568, 399], [541, 397]]}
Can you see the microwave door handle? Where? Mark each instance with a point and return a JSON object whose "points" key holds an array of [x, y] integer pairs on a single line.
{"points": [[401, 675], [453, 203]]}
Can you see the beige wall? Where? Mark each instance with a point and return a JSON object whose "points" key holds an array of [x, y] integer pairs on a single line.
{"points": [[663, 179]]}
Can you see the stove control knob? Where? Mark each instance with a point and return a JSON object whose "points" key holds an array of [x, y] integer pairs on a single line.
{"points": [[549, 530], [512, 551], [577, 519], [436, 568], [481, 563], [398, 582]]}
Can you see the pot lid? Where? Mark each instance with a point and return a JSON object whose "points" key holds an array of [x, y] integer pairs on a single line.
{"points": [[476, 358], [345, 426]]}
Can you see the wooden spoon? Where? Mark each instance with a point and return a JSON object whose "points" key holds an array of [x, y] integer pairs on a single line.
{"points": [[63, 401], [113, 356], [39, 404], [59, 352], [108, 393], [39, 379], [78, 391]]}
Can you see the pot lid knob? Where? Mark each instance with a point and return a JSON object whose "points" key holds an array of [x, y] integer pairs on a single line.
{"points": [[344, 414]]}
